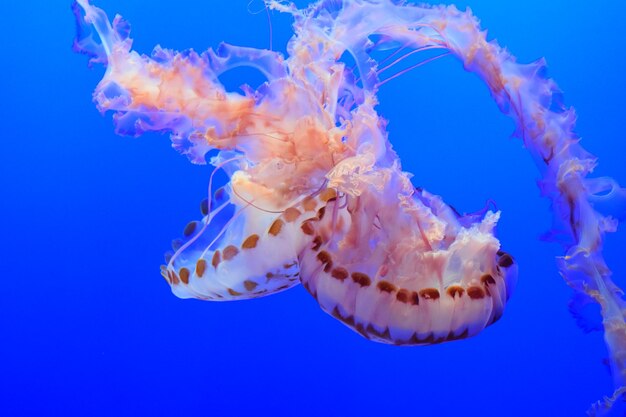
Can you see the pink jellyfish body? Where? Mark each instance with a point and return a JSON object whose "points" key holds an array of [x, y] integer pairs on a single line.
{"points": [[316, 193]]}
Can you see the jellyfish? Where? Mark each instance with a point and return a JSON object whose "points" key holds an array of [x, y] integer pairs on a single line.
{"points": [[316, 194]]}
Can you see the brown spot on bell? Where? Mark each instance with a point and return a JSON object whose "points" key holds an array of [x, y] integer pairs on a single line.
{"points": [[250, 242], [233, 292], [190, 228], [219, 193], [408, 297], [455, 291], [362, 279], [475, 293], [291, 214], [317, 243], [309, 203], [321, 212], [386, 286], [403, 295], [173, 277], [276, 227], [217, 258], [325, 258], [200, 267], [307, 228], [250, 285], [429, 293], [184, 275], [204, 207], [339, 273], [505, 260], [328, 194], [230, 252], [487, 279]]}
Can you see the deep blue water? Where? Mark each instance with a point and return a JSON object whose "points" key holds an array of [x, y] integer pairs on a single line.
{"points": [[88, 327]]}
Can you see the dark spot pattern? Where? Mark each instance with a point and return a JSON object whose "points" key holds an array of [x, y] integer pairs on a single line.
{"points": [[190, 228], [325, 258], [184, 275], [362, 279], [455, 291], [250, 242], [229, 252], [217, 258], [276, 227], [475, 293], [200, 267], [385, 286], [250, 285], [291, 214], [307, 228], [505, 260], [487, 279], [204, 207], [429, 294], [339, 273], [317, 243]]}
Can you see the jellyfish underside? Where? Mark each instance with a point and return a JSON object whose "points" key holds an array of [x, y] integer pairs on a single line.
{"points": [[316, 193]]}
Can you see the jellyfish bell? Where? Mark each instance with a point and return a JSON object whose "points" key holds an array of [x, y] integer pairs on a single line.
{"points": [[238, 253], [397, 265], [240, 249]]}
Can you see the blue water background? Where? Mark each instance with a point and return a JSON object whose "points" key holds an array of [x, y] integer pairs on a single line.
{"points": [[88, 327]]}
